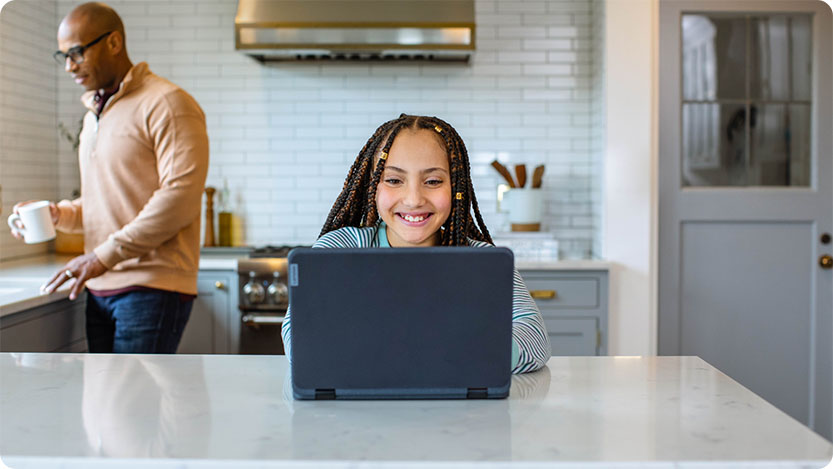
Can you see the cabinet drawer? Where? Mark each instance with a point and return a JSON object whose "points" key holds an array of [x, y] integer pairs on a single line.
{"points": [[573, 336], [563, 292]]}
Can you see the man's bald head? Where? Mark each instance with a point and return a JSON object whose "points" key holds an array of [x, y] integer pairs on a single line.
{"points": [[96, 17], [99, 32]]}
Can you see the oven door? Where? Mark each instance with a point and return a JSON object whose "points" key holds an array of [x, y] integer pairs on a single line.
{"points": [[260, 332]]}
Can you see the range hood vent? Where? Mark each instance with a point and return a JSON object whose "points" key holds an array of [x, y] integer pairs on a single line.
{"points": [[346, 30]]}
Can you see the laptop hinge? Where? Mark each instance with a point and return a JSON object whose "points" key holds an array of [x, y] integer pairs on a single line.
{"points": [[325, 394], [477, 393]]}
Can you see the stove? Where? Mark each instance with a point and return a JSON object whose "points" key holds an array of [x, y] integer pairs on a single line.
{"points": [[272, 251], [264, 297]]}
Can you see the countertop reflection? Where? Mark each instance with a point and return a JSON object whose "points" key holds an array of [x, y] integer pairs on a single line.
{"points": [[191, 410]]}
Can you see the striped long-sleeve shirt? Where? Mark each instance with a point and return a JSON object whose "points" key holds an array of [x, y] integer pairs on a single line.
{"points": [[530, 345]]}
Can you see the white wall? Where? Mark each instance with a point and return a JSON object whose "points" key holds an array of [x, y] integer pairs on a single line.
{"points": [[28, 99], [630, 183], [284, 135]]}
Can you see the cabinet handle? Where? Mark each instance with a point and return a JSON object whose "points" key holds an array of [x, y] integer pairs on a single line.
{"points": [[543, 294], [219, 285], [262, 319]]}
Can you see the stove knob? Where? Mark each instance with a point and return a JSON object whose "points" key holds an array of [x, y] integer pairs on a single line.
{"points": [[254, 291], [277, 291]]}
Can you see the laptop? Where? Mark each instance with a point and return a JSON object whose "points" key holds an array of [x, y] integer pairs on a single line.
{"points": [[401, 323]]}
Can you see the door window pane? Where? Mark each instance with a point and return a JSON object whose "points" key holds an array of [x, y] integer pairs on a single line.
{"points": [[780, 70], [780, 151], [746, 108], [714, 144], [714, 57]]}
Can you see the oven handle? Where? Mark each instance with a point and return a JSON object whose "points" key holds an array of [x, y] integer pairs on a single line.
{"points": [[254, 319]]}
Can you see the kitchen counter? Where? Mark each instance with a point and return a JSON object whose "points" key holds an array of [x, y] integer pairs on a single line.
{"points": [[20, 282], [21, 279], [566, 264], [218, 411], [222, 258]]}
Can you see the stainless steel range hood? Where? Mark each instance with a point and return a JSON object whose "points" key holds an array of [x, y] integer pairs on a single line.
{"points": [[271, 30]]}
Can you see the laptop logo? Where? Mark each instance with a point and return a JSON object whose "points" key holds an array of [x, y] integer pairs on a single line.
{"points": [[293, 275]]}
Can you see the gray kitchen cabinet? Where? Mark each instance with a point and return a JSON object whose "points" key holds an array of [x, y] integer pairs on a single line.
{"points": [[574, 306], [573, 336], [209, 327], [54, 327]]}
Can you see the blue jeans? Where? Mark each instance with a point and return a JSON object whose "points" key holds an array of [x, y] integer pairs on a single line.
{"points": [[136, 322]]}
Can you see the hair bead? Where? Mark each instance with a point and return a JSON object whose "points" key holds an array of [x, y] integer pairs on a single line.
{"points": [[459, 196], [383, 156], [438, 129]]}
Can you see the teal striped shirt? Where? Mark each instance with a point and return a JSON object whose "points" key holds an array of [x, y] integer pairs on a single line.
{"points": [[530, 345]]}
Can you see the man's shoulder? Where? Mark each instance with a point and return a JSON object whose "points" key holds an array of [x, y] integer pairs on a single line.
{"points": [[162, 92]]}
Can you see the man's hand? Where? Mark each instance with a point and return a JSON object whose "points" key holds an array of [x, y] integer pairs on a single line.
{"points": [[82, 268], [53, 210]]}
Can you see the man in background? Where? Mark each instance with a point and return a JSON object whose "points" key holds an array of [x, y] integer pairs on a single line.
{"points": [[143, 158]]}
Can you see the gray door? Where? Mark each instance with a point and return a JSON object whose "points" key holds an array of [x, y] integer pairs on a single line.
{"points": [[745, 196]]}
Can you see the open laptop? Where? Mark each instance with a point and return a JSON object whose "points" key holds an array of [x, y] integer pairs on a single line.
{"points": [[407, 323]]}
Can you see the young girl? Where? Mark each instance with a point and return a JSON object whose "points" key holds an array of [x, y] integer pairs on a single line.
{"points": [[411, 186]]}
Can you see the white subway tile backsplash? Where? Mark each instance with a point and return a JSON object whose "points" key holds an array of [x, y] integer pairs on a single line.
{"points": [[522, 57], [547, 95], [547, 70], [28, 118], [510, 6], [522, 32], [547, 44], [178, 8]]}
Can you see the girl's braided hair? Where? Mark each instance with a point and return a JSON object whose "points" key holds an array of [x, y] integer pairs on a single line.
{"points": [[356, 205]]}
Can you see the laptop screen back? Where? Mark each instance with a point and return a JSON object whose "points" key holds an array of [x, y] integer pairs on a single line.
{"points": [[401, 323]]}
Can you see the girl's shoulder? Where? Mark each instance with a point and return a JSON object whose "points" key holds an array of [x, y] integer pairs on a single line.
{"points": [[347, 237], [479, 244]]}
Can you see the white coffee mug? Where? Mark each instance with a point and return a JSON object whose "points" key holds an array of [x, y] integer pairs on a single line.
{"points": [[37, 222]]}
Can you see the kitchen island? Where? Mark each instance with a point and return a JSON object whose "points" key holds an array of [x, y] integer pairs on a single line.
{"points": [[218, 411]]}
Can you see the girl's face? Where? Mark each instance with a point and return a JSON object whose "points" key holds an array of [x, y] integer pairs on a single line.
{"points": [[414, 193]]}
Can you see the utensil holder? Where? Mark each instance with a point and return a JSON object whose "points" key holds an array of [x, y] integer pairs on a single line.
{"points": [[525, 208]]}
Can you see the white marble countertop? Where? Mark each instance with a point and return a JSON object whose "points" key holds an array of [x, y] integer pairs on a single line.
{"points": [[232, 411], [566, 264]]}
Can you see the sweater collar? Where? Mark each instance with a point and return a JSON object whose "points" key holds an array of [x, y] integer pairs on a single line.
{"points": [[134, 78]]}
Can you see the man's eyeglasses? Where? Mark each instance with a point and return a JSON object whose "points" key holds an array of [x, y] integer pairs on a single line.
{"points": [[76, 54]]}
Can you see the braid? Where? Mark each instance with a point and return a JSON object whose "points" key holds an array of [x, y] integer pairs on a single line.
{"points": [[350, 207], [356, 204], [460, 225], [372, 214]]}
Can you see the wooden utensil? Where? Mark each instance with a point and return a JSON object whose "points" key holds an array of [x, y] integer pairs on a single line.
{"points": [[520, 173], [537, 175], [504, 172], [209, 216]]}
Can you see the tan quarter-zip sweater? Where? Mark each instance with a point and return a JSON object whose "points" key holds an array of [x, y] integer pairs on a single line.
{"points": [[143, 165]]}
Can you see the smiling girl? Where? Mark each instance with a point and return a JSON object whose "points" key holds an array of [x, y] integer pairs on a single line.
{"points": [[411, 186]]}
